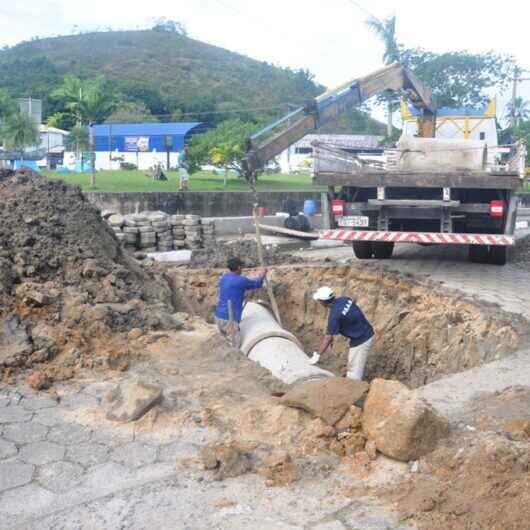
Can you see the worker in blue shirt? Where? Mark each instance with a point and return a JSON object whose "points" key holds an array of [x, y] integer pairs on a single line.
{"points": [[346, 319], [232, 288]]}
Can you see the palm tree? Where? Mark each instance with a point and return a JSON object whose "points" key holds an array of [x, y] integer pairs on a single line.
{"points": [[520, 110], [20, 131], [88, 103], [385, 30]]}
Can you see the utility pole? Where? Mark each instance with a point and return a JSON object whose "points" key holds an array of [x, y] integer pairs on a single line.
{"points": [[289, 107], [92, 155], [516, 79], [513, 119]]}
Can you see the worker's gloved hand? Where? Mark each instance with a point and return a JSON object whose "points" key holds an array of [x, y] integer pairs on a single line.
{"points": [[314, 358]]}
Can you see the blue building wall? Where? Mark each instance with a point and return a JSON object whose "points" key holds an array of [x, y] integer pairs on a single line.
{"points": [[125, 136]]}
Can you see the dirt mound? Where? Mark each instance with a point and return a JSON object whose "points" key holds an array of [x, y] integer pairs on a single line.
{"points": [[49, 231], [246, 249], [66, 286], [478, 481]]}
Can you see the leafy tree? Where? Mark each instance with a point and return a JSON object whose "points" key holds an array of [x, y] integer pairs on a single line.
{"points": [[227, 155], [460, 78], [520, 110], [61, 120], [131, 112], [172, 26], [8, 105], [385, 30], [223, 146], [177, 115], [20, 131], [77, 139]]}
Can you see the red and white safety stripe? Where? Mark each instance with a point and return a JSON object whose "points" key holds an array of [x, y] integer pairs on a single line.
{"points": [[418, 237]]}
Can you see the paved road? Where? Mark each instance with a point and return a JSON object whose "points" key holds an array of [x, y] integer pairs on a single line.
{"points": [[64, 467]]}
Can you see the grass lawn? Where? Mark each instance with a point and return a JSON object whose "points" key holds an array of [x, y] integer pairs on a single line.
{"points": [[137, 181]]}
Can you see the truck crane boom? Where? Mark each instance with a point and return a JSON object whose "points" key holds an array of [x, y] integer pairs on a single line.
{"points": [[266, 144]]}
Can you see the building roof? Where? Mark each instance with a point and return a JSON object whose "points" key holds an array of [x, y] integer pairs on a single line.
{"points": [[409, 112], [344, 141], [144, 129], [47, 129]]}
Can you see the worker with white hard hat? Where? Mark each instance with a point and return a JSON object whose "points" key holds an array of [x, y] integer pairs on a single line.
{"points": [[346, 319]]}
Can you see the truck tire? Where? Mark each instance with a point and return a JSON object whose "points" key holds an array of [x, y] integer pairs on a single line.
{"points": [[498, 255], [362, 249], [478, 253], [383, 250]]}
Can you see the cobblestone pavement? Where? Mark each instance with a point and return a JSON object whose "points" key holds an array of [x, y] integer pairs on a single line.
{"points": [[447, 265], [64, 466]]}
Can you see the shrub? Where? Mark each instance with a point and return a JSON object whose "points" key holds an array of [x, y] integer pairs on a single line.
{"points": [[127, 166]]}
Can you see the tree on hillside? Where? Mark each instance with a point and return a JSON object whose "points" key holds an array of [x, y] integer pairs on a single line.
{"points": [[8, 105], [20, 131], [223, 146], [460, 78], [172, 26], [385, 30], [520, 110], [131, 112]]}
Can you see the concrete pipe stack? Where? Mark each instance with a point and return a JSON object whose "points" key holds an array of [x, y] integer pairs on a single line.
{"points": [[116, 222], [208, 234], [162, 228], [177, 231], [140, 225], [160, 232], [192, 228]]}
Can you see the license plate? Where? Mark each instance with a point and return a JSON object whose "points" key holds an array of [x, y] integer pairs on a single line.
{"points": [[354, 220]]}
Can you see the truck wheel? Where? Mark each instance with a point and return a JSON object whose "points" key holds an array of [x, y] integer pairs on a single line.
{"points": [[383, 250], [362, 249], [498, 255], [478, 253]]}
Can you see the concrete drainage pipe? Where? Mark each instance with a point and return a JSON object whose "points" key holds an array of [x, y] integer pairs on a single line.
{"points": [[264, 341]]}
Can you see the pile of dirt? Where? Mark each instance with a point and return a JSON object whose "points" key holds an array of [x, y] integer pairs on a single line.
{"points": [[421, 334], [246, 249], [480, 480], [66, 286]]}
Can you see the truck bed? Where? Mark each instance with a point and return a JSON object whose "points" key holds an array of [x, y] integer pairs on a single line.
{"points": [[373, 178]]}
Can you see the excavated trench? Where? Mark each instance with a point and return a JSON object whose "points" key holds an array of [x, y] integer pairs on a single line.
{"points": [[422, 334]]}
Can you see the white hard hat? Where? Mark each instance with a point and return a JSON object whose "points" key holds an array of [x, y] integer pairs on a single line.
{"points": [[324, 294]]}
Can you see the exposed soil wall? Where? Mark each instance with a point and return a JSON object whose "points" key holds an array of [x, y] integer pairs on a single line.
{"points": [[421, 334]]}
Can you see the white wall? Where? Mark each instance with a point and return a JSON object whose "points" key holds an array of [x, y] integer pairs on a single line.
{"points": [[51, 140], [144, 161], [453, 129], [291, 161]]}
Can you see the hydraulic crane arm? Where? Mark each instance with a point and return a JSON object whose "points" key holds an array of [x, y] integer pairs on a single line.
{"points": [[266, 144]]}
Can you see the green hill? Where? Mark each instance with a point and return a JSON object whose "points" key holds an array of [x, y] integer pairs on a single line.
{"points": [[168, 73]]}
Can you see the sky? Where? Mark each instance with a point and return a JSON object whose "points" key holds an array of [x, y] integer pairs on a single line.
{"points": [[328, 37]]}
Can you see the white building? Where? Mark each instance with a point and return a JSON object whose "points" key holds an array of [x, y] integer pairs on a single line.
{"points": [[299, 156], [52, 142], [462, 124]]}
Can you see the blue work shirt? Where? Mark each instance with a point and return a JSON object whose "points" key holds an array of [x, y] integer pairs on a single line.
{"points": [[347, 319], [232, 287], [182, 160]]}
